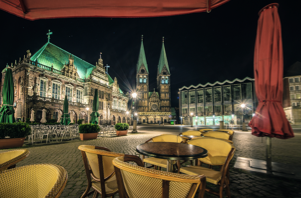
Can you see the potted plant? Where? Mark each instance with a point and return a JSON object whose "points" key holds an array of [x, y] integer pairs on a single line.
{"points": [[88, 131], [12, 135], [121, 129]]}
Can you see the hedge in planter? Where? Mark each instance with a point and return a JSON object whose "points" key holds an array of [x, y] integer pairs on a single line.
{"points": [[121, 129], [88, 131], [16, 132]]}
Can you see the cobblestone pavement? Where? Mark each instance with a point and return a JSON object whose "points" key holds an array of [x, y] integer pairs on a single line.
{"points": [[243, 184]]}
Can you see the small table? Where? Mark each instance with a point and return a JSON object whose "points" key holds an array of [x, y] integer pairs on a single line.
{"points": [[171, 151]]}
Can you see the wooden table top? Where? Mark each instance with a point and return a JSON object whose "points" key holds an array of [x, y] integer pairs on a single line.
{"points": [[171, 151]]}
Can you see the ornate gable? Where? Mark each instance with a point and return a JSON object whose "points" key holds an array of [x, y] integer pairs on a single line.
{"points": [[69, 69]]}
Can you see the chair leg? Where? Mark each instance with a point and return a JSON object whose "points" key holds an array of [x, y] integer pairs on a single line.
{"points": [[178, 165], [221, 188], [95, 195], [86, 191], [228, 188], [156, 167]]}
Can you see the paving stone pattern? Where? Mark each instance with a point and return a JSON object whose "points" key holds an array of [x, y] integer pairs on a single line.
{"points": [[242, 184]]}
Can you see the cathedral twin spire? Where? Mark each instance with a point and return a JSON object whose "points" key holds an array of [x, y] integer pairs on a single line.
{"points": [[162, 60]]}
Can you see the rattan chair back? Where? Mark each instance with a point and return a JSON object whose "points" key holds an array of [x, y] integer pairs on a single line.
{"points": [[190, 132], [136, 181], [217, 134], [38, 180], [11, 158], [167, 138], [98, 165]]}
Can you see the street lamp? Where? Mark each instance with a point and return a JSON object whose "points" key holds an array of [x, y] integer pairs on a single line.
{"points": [[244, 128], [191, 114], [134, 96], [87, 113]]}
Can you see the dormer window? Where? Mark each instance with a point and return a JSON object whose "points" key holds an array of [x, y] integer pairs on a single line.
{"points": [[142, 71]]}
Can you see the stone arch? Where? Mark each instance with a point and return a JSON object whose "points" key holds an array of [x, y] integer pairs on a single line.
{"points": [[128, 120], [83, 116], [119, 119], [73, 116], [123, 120], [113, 119]]}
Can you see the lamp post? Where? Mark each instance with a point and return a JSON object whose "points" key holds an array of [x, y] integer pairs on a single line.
{"points": [[181, 120], [244, 128], [87, 113], [134, 96], [196, 122], [191, 114]]}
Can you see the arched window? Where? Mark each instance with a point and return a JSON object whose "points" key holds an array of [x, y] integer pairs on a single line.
{"points": [[166, 80], [162, 82], [140, 80], [144, 80]]}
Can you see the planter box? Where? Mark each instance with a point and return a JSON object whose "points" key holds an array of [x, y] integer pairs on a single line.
{"points": [[122, 132], [88, 136], [11, 142]]}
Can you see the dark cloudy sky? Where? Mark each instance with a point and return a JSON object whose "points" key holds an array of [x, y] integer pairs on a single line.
{"points": [[200, 47]]}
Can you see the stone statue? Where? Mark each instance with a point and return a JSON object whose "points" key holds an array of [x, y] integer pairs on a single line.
{"points": [[32, 116], [43, 120], [71, 117], [59, 116]]}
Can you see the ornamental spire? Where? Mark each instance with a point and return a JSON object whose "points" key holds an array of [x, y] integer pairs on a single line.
{"points": [[142, 57], [48, 34], [163, 59]]}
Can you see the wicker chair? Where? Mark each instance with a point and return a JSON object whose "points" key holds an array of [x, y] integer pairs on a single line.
{"points": [[204, 130], [158, 162], [11, 158], [99, 170], [217, 134], [220, 178], [38, 180], [230, 132], [218, 150], [229, 141], [135, 181], [194, 133]]}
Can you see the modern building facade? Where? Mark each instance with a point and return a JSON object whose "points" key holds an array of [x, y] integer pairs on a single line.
{"points": [[43, 79], [207, 104], [153, 106]]}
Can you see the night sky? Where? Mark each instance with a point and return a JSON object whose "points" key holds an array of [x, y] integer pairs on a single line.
{"points": [[200, 47]]}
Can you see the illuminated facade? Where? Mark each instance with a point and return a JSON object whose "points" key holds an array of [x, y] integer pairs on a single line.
{"points": [[43, 79], [153, 106], [209, 104]]}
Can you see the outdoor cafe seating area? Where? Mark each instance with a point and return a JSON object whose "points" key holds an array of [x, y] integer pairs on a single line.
{"points": [[167, 166]]}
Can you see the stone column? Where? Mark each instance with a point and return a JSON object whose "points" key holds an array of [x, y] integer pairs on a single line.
{"points": [[43, 120], [59, 116]]}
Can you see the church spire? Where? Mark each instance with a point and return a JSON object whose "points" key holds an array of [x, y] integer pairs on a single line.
{"points": [[163, 59], [142, 58]]}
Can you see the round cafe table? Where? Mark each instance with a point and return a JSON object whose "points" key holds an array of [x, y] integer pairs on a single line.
{"points": [[171, 151]]}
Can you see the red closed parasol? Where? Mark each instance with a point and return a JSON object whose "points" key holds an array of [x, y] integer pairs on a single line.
{"points": [[42, 9], [270, 119]]}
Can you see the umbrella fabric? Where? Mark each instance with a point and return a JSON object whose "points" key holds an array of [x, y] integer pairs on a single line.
{"points": [[7, 110], [94, 115], [65, 120], [270, 119], [37, 9]]}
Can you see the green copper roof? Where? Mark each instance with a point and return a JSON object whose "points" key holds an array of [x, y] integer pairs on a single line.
{"points": [[163, 60], [111, 81], [142, 58], [51, 54], [150, 93]]}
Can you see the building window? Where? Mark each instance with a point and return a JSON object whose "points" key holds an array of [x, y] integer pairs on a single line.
{"points": [[92, 92], [162, 80], [56, 91], [217, 94], [200, 96], [298, 96], [294, 104], [43, 88], [246, 90], [209, 95], [227, 93], [296, 79], [192, 96], [166, 80], [192, 110], [292, 96], [291, 80], [184, 97], [236, 91], [140, 80], [184, 111], [144, 80], [55, 115], [79, 96], [297, 87], [291, 88], [69, 93]]}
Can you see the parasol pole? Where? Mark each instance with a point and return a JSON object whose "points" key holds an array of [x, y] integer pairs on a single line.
{"points": [[269, 154]]}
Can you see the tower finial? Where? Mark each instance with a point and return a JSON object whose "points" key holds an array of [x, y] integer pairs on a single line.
{"points": [[107, 67], [142, 37], [163, 39], [49, 33], [100, 54]]}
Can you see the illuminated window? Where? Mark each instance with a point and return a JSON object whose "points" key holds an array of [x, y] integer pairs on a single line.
{"points": [[43, 88], [296, 79], [79, 96], [69, 93], [166, 80], [162, 82], [291, 88], [56, 91], [144, 80], [291, 80], [140, 80], [297, 87]]}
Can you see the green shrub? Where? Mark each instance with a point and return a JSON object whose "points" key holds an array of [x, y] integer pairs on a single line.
{"points": [[14, 130], [80, 121], [89, 128], [121, 126]]}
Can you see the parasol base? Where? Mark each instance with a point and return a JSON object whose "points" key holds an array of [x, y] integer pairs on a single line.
{"points": [[259, 166]]}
